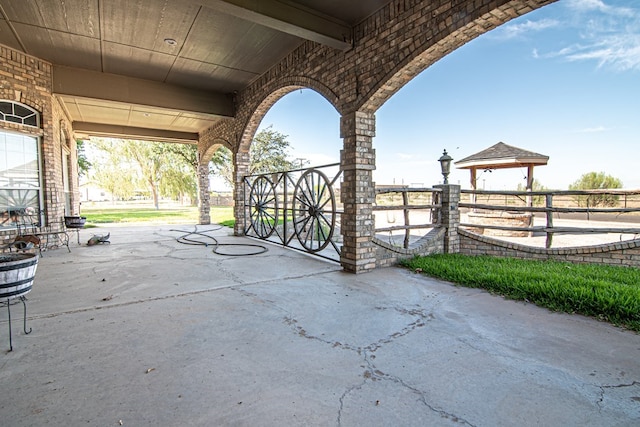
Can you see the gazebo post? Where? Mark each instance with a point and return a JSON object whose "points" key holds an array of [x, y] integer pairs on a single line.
{"points": [[473, 186], [529, 196]]}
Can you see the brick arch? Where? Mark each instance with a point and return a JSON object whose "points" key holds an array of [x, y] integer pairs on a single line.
{"points": [[269, 95], [27, 98], [23, 99], [416, 57], [33, 104], [207, 154], [222, 134]]}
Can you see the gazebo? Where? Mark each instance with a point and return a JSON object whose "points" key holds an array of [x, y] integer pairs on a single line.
{"points": [[503, 156]]}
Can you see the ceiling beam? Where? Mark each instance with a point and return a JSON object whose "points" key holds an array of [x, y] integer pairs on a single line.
{"points": [[112, 87], [86, 129], [288, 18]]}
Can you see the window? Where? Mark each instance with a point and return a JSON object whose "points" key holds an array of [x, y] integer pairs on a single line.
{"points": [[66, 161], [20, 187], [15, 112]]}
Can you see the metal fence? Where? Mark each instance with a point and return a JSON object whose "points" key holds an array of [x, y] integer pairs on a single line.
{"points": [[299, 209]]}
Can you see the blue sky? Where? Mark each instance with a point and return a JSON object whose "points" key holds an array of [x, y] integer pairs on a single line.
{"points": [[563, 81]]}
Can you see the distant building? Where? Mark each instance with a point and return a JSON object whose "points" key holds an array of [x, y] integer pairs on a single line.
{"points": [[91, 193]]}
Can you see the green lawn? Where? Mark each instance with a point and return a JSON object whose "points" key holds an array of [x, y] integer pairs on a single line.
{"points": [[97, 215], [605, 292]]}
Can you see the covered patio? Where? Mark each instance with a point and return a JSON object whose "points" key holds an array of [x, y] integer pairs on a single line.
{"points": [[149, 331], [205, 72]]}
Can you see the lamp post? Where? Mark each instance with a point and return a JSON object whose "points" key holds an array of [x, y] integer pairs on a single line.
{"points": [[445, 165]]}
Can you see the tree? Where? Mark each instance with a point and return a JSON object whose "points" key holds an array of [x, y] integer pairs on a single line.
{"points": [[109, 172], [179, 183], [187, 153], [536, 186], [165, 170], [116, 179], [181, 179], [268, 153], [83, 163], [596, 181], [150, 163], [222, 164]]}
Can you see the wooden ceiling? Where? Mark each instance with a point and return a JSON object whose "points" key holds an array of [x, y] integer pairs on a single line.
{"points": [[165, 69]]}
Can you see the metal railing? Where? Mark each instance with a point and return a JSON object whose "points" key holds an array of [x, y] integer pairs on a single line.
{"points": [[298, 208], [419, 209], [590, 204]]}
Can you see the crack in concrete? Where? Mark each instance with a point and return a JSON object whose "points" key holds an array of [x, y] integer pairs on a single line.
{"points": [[420, 322], [632, 384], [376, 375], [603, 390], [343, 396], [372, 373], [598, 389], [423, 317]]}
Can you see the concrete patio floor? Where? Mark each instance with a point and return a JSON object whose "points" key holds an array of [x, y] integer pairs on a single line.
{"points": [[150, 332]]}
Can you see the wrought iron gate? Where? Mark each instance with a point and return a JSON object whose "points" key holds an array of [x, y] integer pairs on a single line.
{"points": [[298, 209]]}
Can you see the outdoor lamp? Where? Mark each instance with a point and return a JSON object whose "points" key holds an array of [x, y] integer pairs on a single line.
{"points": [[445, 165]]}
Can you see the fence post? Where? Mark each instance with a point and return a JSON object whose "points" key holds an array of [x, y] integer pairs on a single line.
{"points": [[549, 204], [450, 214], [407, 232]]}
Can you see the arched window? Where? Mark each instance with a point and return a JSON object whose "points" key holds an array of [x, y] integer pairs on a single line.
{"points": [[11, 111], [20, 178]]}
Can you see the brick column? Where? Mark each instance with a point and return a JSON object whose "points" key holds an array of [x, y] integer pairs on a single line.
{"points": [[240, 169], [357, 192], [450, 217], [204, 199]]}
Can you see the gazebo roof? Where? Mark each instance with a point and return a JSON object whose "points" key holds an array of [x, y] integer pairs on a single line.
{"points": [[500, 156]]}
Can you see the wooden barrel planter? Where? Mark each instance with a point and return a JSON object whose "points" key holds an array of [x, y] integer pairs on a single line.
{"points": [[17, 272]]}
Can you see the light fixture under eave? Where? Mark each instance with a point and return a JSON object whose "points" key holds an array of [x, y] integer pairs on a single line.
{"points": [[170, 41]]}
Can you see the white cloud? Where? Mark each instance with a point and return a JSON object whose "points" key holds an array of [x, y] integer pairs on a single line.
{"points": [[599, 6], [510, 31], [609, 36], [593, 129], [587, 5], [617, 52]]}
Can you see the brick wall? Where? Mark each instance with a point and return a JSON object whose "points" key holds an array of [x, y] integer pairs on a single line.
{"points": [[27, 80], [388, 255], [620, 253]]}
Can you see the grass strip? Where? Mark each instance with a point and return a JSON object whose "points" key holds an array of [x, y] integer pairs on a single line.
{"points": [[608, 293], [151, 215]]}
